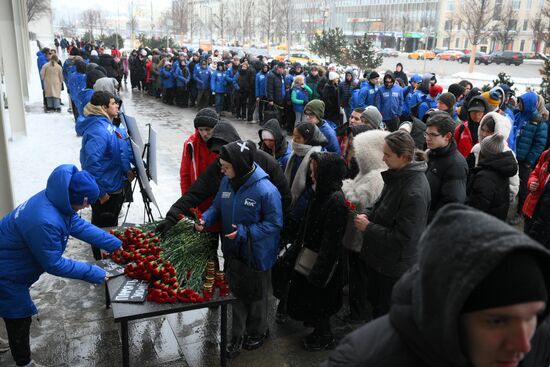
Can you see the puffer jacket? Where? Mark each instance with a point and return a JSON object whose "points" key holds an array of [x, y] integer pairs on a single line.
{"points": [[366, 187], [256, 211], [529, 132], [488, 184], [275, 87], [167, 78], [33, 238], [389, 101], [217, 82], [202, 77], [260, 83], [182, 75], [423, 328]]}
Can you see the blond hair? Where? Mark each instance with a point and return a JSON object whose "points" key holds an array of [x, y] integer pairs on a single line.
{"points": [[298, 81]]}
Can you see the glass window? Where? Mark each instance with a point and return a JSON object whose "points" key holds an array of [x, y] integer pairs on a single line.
{"points": [[451, 5], [522, 45], [525, 22], [456, 42], [516, 4], [466, 43]]}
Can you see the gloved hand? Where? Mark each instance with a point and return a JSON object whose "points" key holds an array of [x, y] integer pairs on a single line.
{"points": [[164, 226]]}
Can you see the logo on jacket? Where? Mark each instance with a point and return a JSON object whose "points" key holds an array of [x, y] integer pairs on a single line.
{"points": [[249, 202], [226, 194]]}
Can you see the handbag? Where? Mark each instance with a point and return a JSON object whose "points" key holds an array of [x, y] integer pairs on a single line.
{"points": [[245, 282]]}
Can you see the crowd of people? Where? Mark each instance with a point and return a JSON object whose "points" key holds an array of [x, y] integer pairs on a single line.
{"points": [[399, 190]]}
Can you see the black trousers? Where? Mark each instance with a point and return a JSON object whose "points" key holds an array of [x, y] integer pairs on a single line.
{"points": [[524, 172], [245, 105], [203, 99], [358, 301], [106, 215], [261, 108], [182, 96], [379, 288], [19, 331], [75, 110], [168, 96]]}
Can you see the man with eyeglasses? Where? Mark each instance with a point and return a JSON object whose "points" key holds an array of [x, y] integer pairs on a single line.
{"points": [[447, 169]]}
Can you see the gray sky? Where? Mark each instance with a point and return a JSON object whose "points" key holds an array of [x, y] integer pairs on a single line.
{"points": [[72, 8]]}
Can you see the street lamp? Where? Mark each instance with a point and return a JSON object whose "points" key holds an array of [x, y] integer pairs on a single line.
{"points": [[426, 32]]}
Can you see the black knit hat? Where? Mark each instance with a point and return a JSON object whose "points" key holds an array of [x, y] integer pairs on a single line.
{"points": [[448, 99], [518, 278], [206, 117], [373, 74], [456, 89], [241, 156], [307, 130]]}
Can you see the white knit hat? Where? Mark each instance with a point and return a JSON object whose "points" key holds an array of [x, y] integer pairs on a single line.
{"points": [[333, 76]]}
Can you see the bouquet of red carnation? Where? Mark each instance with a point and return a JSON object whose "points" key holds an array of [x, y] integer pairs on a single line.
{"points": [[197, 213], [351, 206]]}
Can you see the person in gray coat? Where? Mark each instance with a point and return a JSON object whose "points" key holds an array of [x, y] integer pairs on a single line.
{"points": [[471, 301]]}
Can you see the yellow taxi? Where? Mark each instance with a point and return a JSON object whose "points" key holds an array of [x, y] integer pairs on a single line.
{"points": [[280, 57], [302, 58], [421, 55]]}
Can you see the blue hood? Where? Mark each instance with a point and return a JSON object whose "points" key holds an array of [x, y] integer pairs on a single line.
{"points": [[529, 101], [57, 189]]}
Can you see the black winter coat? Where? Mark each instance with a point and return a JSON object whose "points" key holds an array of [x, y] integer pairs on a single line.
{"points": [[540, 225], [247, 80], [397, 220], [447, 174], [273, 87], [489, 184], [281, 144], [208, 182], [322, 231], [422, 328], [332, 105], [109, 65]]}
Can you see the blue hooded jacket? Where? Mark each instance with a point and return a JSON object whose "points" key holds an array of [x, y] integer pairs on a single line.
{"points": [[167, 78], [330, 134], [260, 84], [256, 210], [182, 75], [529, 132], [33, 238], [103, 154], [76, 83], [217, 82], [202, 77], [389, 101], [367, 95], [428, 103]]}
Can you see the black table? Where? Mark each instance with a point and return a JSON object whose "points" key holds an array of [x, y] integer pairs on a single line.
{"points": [[124, 312]]}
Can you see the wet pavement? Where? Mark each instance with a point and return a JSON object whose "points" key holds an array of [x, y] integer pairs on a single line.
{"points": [[73, 327]]}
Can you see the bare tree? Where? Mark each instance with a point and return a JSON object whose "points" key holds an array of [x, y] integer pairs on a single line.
{"points": [[37, 8], [133, 26], [504, 30], [286, 16], [405, 23], [476, 16], [91, 19], [180, 8], [267, 18], [220, 19], [67, 27], [541, 29], [450, 24]]}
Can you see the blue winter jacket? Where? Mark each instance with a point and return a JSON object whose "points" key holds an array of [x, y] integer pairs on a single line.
{"points": [[41, 60], [217, 82], [417, 98], [389, 101], [202, 77], [76, 82], [529, 132], [104, 154], [428, 103], [300, 95], [408, 93], [330, 134], [231, 78], [68, 69], [260, 84], [368, 95], [33, 238], [256, 210], [283, 160], [182, 76], [83, 97], [167, 79]]}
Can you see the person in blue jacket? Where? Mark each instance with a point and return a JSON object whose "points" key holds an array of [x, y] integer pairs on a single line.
{"points": [[76, 83], [42, 58], [33, 238], [408, 94], [201, 75], [261, 94], [314, 112], [368, 91], [217, 84], [252, 217], [104, 154], [527, 139], [183, 76], [389, 101], [168, 83]]}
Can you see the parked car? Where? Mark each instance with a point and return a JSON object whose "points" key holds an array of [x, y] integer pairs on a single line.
{"points": [[421, 55], [507, 57], [280, 57], [450, 55], [302, 58], [481, 58], [529, 55], [388, 52], [439, 50]]}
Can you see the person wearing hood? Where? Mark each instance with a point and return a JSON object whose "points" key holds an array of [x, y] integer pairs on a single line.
{"points": [[33, 238], [458, 91], [466, 134], [494, 123], [316, 294], [489, 182], [330, 97], [344, 92], [105, 156], [430, 102], [183, 76], [245, 87], [260, 90], [420, 94], [389, 101], [392, 227], [217, 84], [446, 102], [362, 191], [400, 74], [463, 107], [208, 182], [76, 83], [447, 171], [408, 94], [201, 75], [249, 207], [527, 139], [108, 63], [472, 301], [273, 141], [314, 112], [93, 74]]}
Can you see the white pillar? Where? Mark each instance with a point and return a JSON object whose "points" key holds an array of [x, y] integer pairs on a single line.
{"points": [[22, 43], [12, 67], [6, 192]]}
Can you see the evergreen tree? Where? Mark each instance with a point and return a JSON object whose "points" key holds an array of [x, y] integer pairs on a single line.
{"points": [[502, 78], [111, 40], [545, 85], [362, 54], [329, 44]]}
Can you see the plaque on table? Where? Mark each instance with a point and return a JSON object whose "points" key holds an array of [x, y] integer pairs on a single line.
{"points": [[111, 268], [131, 291]]}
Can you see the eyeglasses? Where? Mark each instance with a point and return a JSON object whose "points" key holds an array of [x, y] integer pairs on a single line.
{"points": [[431, 135], [309, 113]]}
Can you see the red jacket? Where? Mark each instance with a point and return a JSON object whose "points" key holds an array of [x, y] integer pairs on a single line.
{"points": [[115, 53], [463, 138], [541, 173], [148, 66]]}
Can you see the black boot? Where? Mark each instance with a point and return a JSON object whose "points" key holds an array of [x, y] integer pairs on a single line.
{"points": [[255, 341], [234, 348]]}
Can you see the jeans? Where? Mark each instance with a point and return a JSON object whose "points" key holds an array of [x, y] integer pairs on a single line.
{"points": [[218, 101], [250, 318], [19, 339], [53, 102]]}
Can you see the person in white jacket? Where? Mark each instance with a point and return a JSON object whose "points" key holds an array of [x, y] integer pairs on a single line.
{"points": [[362, 191], [494, 123]]}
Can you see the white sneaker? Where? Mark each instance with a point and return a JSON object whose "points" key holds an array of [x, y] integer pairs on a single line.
{"points": [[4, 345], [34, 364]]}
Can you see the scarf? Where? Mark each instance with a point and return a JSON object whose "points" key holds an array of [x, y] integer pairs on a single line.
{"points": [[91, 109], [299, 183]]}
